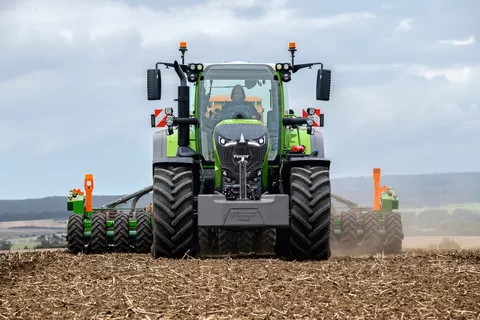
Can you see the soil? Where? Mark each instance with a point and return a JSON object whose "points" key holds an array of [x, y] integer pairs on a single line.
{"points": [[417, 284], [424, 241]]}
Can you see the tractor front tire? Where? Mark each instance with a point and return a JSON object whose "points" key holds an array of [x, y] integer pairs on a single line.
{"points": [[394, 231], [121, 241], [75, 233], [310, 211], [265, 241], [226, 242], [173, 228], [98, 238], [245, 241], [204, 241], [143, 243]]}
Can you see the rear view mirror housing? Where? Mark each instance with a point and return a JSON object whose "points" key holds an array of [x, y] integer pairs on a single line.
{"points": [[324, 82], [154, 84]]}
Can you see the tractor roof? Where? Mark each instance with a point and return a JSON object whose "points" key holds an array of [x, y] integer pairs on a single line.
{"points": [[240, 62]]}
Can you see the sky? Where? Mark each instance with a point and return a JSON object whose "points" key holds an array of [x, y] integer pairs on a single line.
{"points": [[405, 79]]}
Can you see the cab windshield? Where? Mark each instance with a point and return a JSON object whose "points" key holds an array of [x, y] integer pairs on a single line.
{"points": [[238, 91]]}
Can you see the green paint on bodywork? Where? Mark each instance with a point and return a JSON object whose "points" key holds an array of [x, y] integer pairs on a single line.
{"points": [[389, 201], [172, 143], [75, 202], [281, 113], [297, 137]]}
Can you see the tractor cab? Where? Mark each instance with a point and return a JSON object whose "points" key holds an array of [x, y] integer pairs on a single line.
{"points": [[240, 93]]}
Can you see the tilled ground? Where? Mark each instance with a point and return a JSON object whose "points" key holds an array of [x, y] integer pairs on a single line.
{"points": [[417, 284]]}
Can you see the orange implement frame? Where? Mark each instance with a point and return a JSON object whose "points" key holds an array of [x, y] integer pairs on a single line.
{"points": [[88, 185], [377, 191]]}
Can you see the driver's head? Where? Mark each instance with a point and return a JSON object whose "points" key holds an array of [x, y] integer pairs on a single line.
{"points": [[237, 93]]}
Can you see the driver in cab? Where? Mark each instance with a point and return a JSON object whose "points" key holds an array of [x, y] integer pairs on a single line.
{"points": [[238, 108]]}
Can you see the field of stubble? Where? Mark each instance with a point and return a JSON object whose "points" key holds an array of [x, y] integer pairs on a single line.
{"points": [[417, 284]]}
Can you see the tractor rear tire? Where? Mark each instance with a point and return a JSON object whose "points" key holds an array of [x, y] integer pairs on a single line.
{"points": [[372, 238], [121, 241], [348, 238], [173, 228], [143, 243], [226, 242], [310, 211], [75, 233], [265, 241], [245, 241], [394, 231], [98, 239]]}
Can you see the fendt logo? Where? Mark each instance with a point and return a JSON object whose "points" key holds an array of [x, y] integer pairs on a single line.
{"points": [[241, 156]]}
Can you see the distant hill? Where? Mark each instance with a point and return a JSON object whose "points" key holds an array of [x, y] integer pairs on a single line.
{"points": [[415, 191]]}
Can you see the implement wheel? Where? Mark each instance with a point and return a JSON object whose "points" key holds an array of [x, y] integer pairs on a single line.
{"points": [[143, 243], [173, 228], [75, 231], [372, 238], [310, 210], [121, 239], [98, 239], [394, 230], [348, 236]]}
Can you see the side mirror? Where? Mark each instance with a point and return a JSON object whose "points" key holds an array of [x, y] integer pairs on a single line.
{"points": [[324, 82], [154, 84]]}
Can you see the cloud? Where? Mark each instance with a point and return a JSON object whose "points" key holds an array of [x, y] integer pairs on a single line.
{"points": [[404, 25], [459, 42]]}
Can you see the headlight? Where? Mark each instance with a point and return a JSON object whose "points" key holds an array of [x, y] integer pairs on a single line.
{"points": [[170, 121], [310, 121], [257, 143], [224, 142]]}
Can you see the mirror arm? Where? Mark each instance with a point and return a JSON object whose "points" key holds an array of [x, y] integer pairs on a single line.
{"points": [[306, 65]]}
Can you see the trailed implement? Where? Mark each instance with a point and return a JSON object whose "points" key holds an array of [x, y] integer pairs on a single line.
{"points": [[370, 230], [110, 228]]}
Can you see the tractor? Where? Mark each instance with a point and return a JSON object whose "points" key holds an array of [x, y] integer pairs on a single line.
{"points": [[232, 181], [370, 230], [235, 181]]}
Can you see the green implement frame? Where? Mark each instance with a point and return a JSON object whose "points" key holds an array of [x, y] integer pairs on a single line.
{"points": [[376, 229], [110, 228]]}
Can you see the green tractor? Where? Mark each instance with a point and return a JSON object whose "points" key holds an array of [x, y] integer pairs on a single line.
{"points": [[227, 182], [369, 230], [228, 177]]}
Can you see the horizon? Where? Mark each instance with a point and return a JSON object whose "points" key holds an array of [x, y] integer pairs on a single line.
{"points": [[332, 178]]}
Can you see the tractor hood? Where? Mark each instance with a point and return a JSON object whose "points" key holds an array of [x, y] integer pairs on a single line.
{"points": [[241, 131], [237, 140]]}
